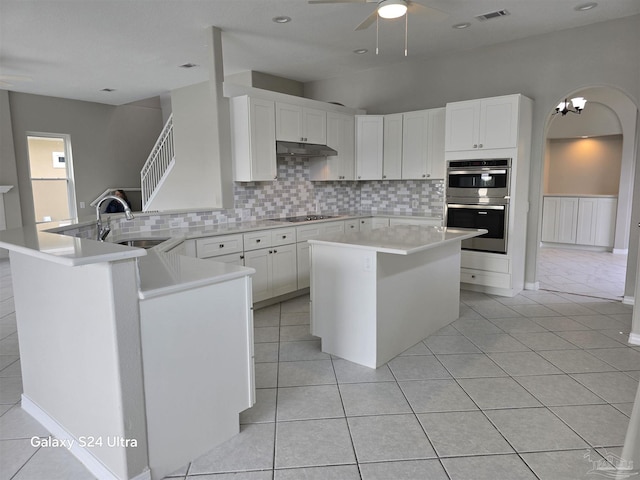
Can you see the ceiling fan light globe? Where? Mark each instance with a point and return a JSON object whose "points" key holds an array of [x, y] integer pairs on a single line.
{"points": [[392, 8]]}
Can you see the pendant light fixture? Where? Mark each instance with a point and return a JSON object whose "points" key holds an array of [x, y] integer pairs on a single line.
{"points": [[577, 103]]}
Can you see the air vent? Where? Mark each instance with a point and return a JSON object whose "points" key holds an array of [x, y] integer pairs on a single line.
{"points": [[491, 15]]}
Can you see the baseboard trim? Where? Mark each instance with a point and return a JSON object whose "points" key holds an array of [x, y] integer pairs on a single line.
{"points": [[634, 338], [628, 300], [532, 285], [95, 466], [621, 251]]}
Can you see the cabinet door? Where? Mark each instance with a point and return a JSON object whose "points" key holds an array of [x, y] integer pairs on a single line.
{"points": [[415, 145], [341, 137], [586, 227], [260, 260], [303, 264], [605, 222], [262, 144], [369, 147], [550, 209], [567, 221], [498, 122], [436, 162], [314, 126], [392, 147], [330, 228], [284, 270], [288, 122], [462, 125]]}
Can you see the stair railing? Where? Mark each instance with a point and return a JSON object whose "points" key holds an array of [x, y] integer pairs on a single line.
{"points": [[160, 162]]}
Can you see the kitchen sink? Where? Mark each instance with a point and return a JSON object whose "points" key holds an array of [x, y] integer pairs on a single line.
{"points": [[143, 242]]}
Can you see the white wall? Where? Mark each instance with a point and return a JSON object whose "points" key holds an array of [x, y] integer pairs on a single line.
{"points": [[545, 68], [110, 144], [8, 172]]}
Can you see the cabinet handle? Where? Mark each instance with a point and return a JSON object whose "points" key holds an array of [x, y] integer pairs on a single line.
{"points": [[275, 251], [480, 146], [473, 276], [270, 251], [359, 177], [221, 245], [428, 175], [275, 178], [362, 222], [258, 240], [423, 175], [284, 236], [241, 257], [384, 176], [475, 145]]}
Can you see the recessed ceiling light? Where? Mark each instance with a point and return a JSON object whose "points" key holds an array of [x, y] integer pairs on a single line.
{"points": [[281, 19], [108, 90], [586, 6], [460, 26], [188, 65], [360, 51]]}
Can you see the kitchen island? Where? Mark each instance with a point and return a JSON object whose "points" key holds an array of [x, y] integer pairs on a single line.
{"points": [[374, 294], [139, 361]]}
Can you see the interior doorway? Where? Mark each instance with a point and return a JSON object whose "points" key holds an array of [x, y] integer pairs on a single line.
{"points": [[51, 175], [587, 192]]}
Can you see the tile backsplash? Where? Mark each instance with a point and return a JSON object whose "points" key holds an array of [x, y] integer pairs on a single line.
{"points": [[294, 194]]}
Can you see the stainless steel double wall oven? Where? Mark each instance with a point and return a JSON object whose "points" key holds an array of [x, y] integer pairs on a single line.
{"points": [[478, 196]]}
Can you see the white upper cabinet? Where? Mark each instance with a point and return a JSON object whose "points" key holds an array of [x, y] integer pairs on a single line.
{"points": [[340, 137], [392, 145], [482, 124], [253, 144], [369, 146], [295, 123], [423, 144]]}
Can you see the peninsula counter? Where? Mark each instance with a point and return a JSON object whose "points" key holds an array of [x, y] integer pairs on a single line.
{"points": [[376, 293]]}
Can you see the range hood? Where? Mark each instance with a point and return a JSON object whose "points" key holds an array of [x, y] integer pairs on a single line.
{"points": [[295, 149]]}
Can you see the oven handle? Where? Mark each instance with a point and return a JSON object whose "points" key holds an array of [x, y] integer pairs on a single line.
{"points": [[472, 172], [476, 207]]}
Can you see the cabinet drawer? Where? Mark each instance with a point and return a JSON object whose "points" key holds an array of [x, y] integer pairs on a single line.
{"points": [[485, 261], [255, 240], [214, 246], [489, 279], [308, 232], [283, 236], [333, 227], [352, 225], [232, 258]]}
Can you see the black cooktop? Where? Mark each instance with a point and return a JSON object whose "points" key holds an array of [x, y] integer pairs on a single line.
{"points": [[305, 218]]}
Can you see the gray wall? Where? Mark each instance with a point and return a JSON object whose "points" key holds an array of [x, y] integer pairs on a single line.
{"points": [[110, 144], [545, 68]]}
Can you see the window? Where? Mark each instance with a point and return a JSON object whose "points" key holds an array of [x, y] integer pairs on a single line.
{"points": [[51, 171]]}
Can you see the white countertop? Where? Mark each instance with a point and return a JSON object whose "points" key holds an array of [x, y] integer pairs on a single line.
{"points": [[63, 249], [400, 239], [164, 273]]}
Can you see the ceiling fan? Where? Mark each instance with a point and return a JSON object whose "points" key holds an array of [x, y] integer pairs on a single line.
{"points": [[389, 9]]}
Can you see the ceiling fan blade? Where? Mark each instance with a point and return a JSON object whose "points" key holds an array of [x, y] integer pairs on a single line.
{"points": [[368, 21], [433, 13]]}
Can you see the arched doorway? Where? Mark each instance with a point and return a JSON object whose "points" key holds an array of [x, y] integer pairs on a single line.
{"points": [[584, 172]]}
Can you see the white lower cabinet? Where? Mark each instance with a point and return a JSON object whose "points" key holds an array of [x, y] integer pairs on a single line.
{"points": [[307, 232], [276, 271], [586, 221]]}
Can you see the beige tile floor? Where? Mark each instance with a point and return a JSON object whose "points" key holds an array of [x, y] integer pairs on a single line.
{"points": [[600, 274], [539, 386]]}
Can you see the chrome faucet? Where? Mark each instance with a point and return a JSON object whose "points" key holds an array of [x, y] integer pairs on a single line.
{"points": [[103, 231]]}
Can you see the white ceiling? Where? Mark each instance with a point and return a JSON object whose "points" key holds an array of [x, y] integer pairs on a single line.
{"points": [[75, 48]]}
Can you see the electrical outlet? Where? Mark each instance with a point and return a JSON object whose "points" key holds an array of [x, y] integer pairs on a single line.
{"points": [[81, 204], [414, 203]]}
